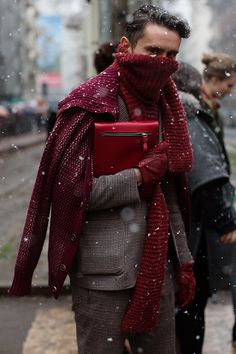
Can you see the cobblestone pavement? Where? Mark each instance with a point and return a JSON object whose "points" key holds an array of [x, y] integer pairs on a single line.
{"points": [[52, 332], [36, 325], [219, 323]]}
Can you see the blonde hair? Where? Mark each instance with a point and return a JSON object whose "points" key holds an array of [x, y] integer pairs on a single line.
{"points": [[219, 65]]}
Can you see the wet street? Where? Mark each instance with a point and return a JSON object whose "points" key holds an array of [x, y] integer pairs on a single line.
{"points": [[18, 171], [42, 325]]}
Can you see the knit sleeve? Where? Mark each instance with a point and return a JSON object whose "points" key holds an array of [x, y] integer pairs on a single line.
{"points": [[48, 190]]}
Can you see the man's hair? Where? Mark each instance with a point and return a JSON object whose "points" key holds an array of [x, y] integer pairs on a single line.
{"points": [[219, 65], [154, 14]]}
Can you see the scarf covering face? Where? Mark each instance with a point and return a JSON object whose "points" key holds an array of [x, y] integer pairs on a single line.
{"points": [[143, 81]]}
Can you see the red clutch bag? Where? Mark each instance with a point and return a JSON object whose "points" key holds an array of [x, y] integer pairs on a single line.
{"points": [[121, 145]]}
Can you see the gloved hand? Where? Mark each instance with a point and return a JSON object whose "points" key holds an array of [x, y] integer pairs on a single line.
{"points": [[186, 283], [153, 167]]}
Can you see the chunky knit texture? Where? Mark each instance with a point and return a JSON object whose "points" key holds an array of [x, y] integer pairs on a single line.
{"points": [[141, 79], [142, 313], [64, 167], [64, 181]]}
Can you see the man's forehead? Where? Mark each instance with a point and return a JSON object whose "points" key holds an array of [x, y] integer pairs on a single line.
{"points": [[158, 36], [158, 29]]}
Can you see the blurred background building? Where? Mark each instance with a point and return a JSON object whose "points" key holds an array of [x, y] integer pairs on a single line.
{"points": [[224, 40], [223, 25], [18, 49]]}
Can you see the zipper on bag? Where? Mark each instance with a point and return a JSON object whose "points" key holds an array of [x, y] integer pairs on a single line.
{"points": [[126, 134], [144, 135]]}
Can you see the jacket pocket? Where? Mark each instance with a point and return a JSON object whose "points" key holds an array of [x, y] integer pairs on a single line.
{"points": [[101, 248]]}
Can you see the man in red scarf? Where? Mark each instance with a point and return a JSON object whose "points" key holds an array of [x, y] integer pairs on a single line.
{"points": [[121, 237]]}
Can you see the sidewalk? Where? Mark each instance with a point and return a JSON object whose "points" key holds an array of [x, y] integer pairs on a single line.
{"points": [[22, 141], [42, 325]]}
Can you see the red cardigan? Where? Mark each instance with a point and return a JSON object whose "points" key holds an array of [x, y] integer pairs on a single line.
{"points": [[60, 184]]}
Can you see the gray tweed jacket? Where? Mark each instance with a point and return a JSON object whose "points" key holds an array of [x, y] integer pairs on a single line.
{"points": [[112, 239]]}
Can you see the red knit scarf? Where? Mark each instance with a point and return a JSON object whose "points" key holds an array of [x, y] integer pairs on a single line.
{"points": [[141, 80]]}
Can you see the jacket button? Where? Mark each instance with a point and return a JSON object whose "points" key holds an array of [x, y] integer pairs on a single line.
{"points": [[54, 289], [73, 237], [62, 267]]}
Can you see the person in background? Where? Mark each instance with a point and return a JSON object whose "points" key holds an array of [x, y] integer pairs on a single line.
{"points": [[213, 215], [51, 116], [104, 56], [122, 236]]}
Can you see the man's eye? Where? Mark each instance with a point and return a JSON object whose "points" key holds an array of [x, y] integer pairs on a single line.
{"points": [[172, 55], [155, 51]]}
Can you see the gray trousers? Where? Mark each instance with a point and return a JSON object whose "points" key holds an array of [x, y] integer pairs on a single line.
{"points": [[98, 316]]}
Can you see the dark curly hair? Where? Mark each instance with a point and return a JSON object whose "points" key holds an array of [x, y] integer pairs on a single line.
{"points": [[154, 14], [104, 56], [188, 79]]}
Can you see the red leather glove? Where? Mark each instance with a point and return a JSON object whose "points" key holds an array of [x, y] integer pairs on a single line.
{"points": [[186, 283], [153, 167]]}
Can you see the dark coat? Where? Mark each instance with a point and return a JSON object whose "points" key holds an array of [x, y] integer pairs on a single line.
{"points": [[213, 213]]}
